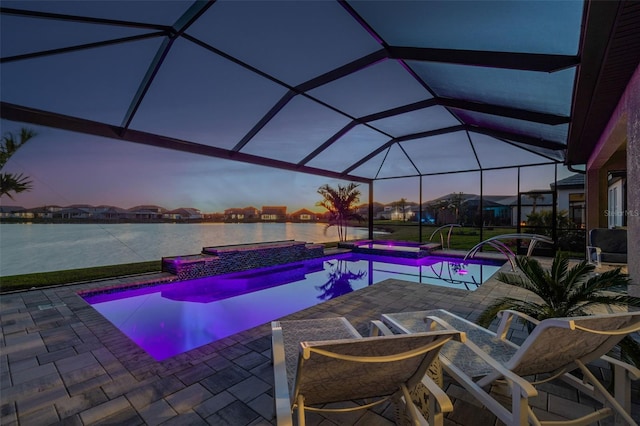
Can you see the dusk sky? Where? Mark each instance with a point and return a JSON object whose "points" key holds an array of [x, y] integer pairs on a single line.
{"points": [[69, 168], [201, 97]]}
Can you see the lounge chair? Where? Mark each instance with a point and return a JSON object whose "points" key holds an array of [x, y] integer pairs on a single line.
{"points": [[324, 361], [554, 349]]}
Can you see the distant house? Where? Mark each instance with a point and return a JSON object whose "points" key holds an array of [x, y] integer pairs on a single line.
{"points": [[531, 202], [406, 212], [111, 213], [15, 212], [71, 213], [147, 212], [496, 209], [450, 208], [242, 214], [214, 217], [303, 215], [273, 214], [183, 214], [571, 197], [86, 207], [363, 210], [45, 212]]}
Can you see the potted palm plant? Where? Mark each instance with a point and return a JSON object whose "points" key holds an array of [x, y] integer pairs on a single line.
{"points": [[565, 292]]}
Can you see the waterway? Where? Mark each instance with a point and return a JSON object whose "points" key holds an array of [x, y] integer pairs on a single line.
{"points": [[28, 248]]}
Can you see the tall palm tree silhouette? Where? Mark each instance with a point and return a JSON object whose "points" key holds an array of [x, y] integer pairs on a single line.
{"points": [[341, 203]]}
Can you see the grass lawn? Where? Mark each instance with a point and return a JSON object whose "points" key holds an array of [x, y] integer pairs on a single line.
{"points": [[461, 238], [45, 279]]}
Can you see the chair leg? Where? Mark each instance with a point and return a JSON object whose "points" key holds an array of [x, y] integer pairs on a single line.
{"points": [[411, 408], [622, 388], [301, 421], [606, 395]]}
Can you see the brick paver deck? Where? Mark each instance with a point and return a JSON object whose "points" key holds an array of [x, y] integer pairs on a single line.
{"points": [[62, 362]]}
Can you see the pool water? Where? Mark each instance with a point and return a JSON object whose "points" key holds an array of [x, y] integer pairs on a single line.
{"points": [[169, 319]]}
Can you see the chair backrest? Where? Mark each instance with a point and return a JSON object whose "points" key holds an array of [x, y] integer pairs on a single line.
{"points": [[342, 370], [609, 240], [557, 342]]}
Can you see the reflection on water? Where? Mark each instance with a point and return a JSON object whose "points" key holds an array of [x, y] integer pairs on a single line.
{"points": [[457, 274], [29, 248], [340, 279]]}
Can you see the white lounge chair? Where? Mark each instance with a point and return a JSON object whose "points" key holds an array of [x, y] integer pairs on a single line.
{"points": [[554, 349], [323, 361]]}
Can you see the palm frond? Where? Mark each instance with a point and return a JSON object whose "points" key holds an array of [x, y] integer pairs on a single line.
{"points": [[607, 280], [516, 280], [542, 282], [14, 183], [578, 274], [340, 202], [559, 267], [490, 313], [630, 350], [11, 143]]}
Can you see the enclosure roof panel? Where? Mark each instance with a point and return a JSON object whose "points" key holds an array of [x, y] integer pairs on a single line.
{"points": [[347, 89]]}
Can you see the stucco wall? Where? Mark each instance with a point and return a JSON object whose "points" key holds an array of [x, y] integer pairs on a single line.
{"points": [[632, 96], [624, 126]]}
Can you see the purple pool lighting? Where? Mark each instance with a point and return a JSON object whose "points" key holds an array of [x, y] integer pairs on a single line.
{"points": [[169, 319]]}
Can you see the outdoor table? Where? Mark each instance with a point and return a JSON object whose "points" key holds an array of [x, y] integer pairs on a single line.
{"points": [[457, 353]]}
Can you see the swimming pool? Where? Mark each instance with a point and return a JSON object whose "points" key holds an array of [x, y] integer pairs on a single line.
{"points": [[169, 319]]}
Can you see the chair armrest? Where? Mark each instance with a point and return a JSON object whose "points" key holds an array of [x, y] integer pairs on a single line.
{"points": [[520, 389], [281, 385], [506, 316], [377, 328], [526, 388], [632, 371], [598, 251], [432, 321]]}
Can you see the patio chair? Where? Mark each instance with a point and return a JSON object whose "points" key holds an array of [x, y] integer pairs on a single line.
{"points": [[607, 245], [553, 350], [325, 361]]}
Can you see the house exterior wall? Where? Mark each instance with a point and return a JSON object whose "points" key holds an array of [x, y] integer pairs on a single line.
{"points": [[610, 154], [563, 199], [633, 175]]}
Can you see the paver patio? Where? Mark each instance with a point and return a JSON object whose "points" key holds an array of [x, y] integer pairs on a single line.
{"points": [[62, 363]]}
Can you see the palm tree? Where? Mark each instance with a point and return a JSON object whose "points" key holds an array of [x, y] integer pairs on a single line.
{"points": [[565, 292], [455, 203], [535, 197], [11, 183], [341, 204]]}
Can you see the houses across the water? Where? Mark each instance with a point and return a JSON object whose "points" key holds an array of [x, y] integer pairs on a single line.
{"points": [[466, 209]]}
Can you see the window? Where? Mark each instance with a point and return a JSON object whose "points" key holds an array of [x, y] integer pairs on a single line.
{"points": [[577, 209]]}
